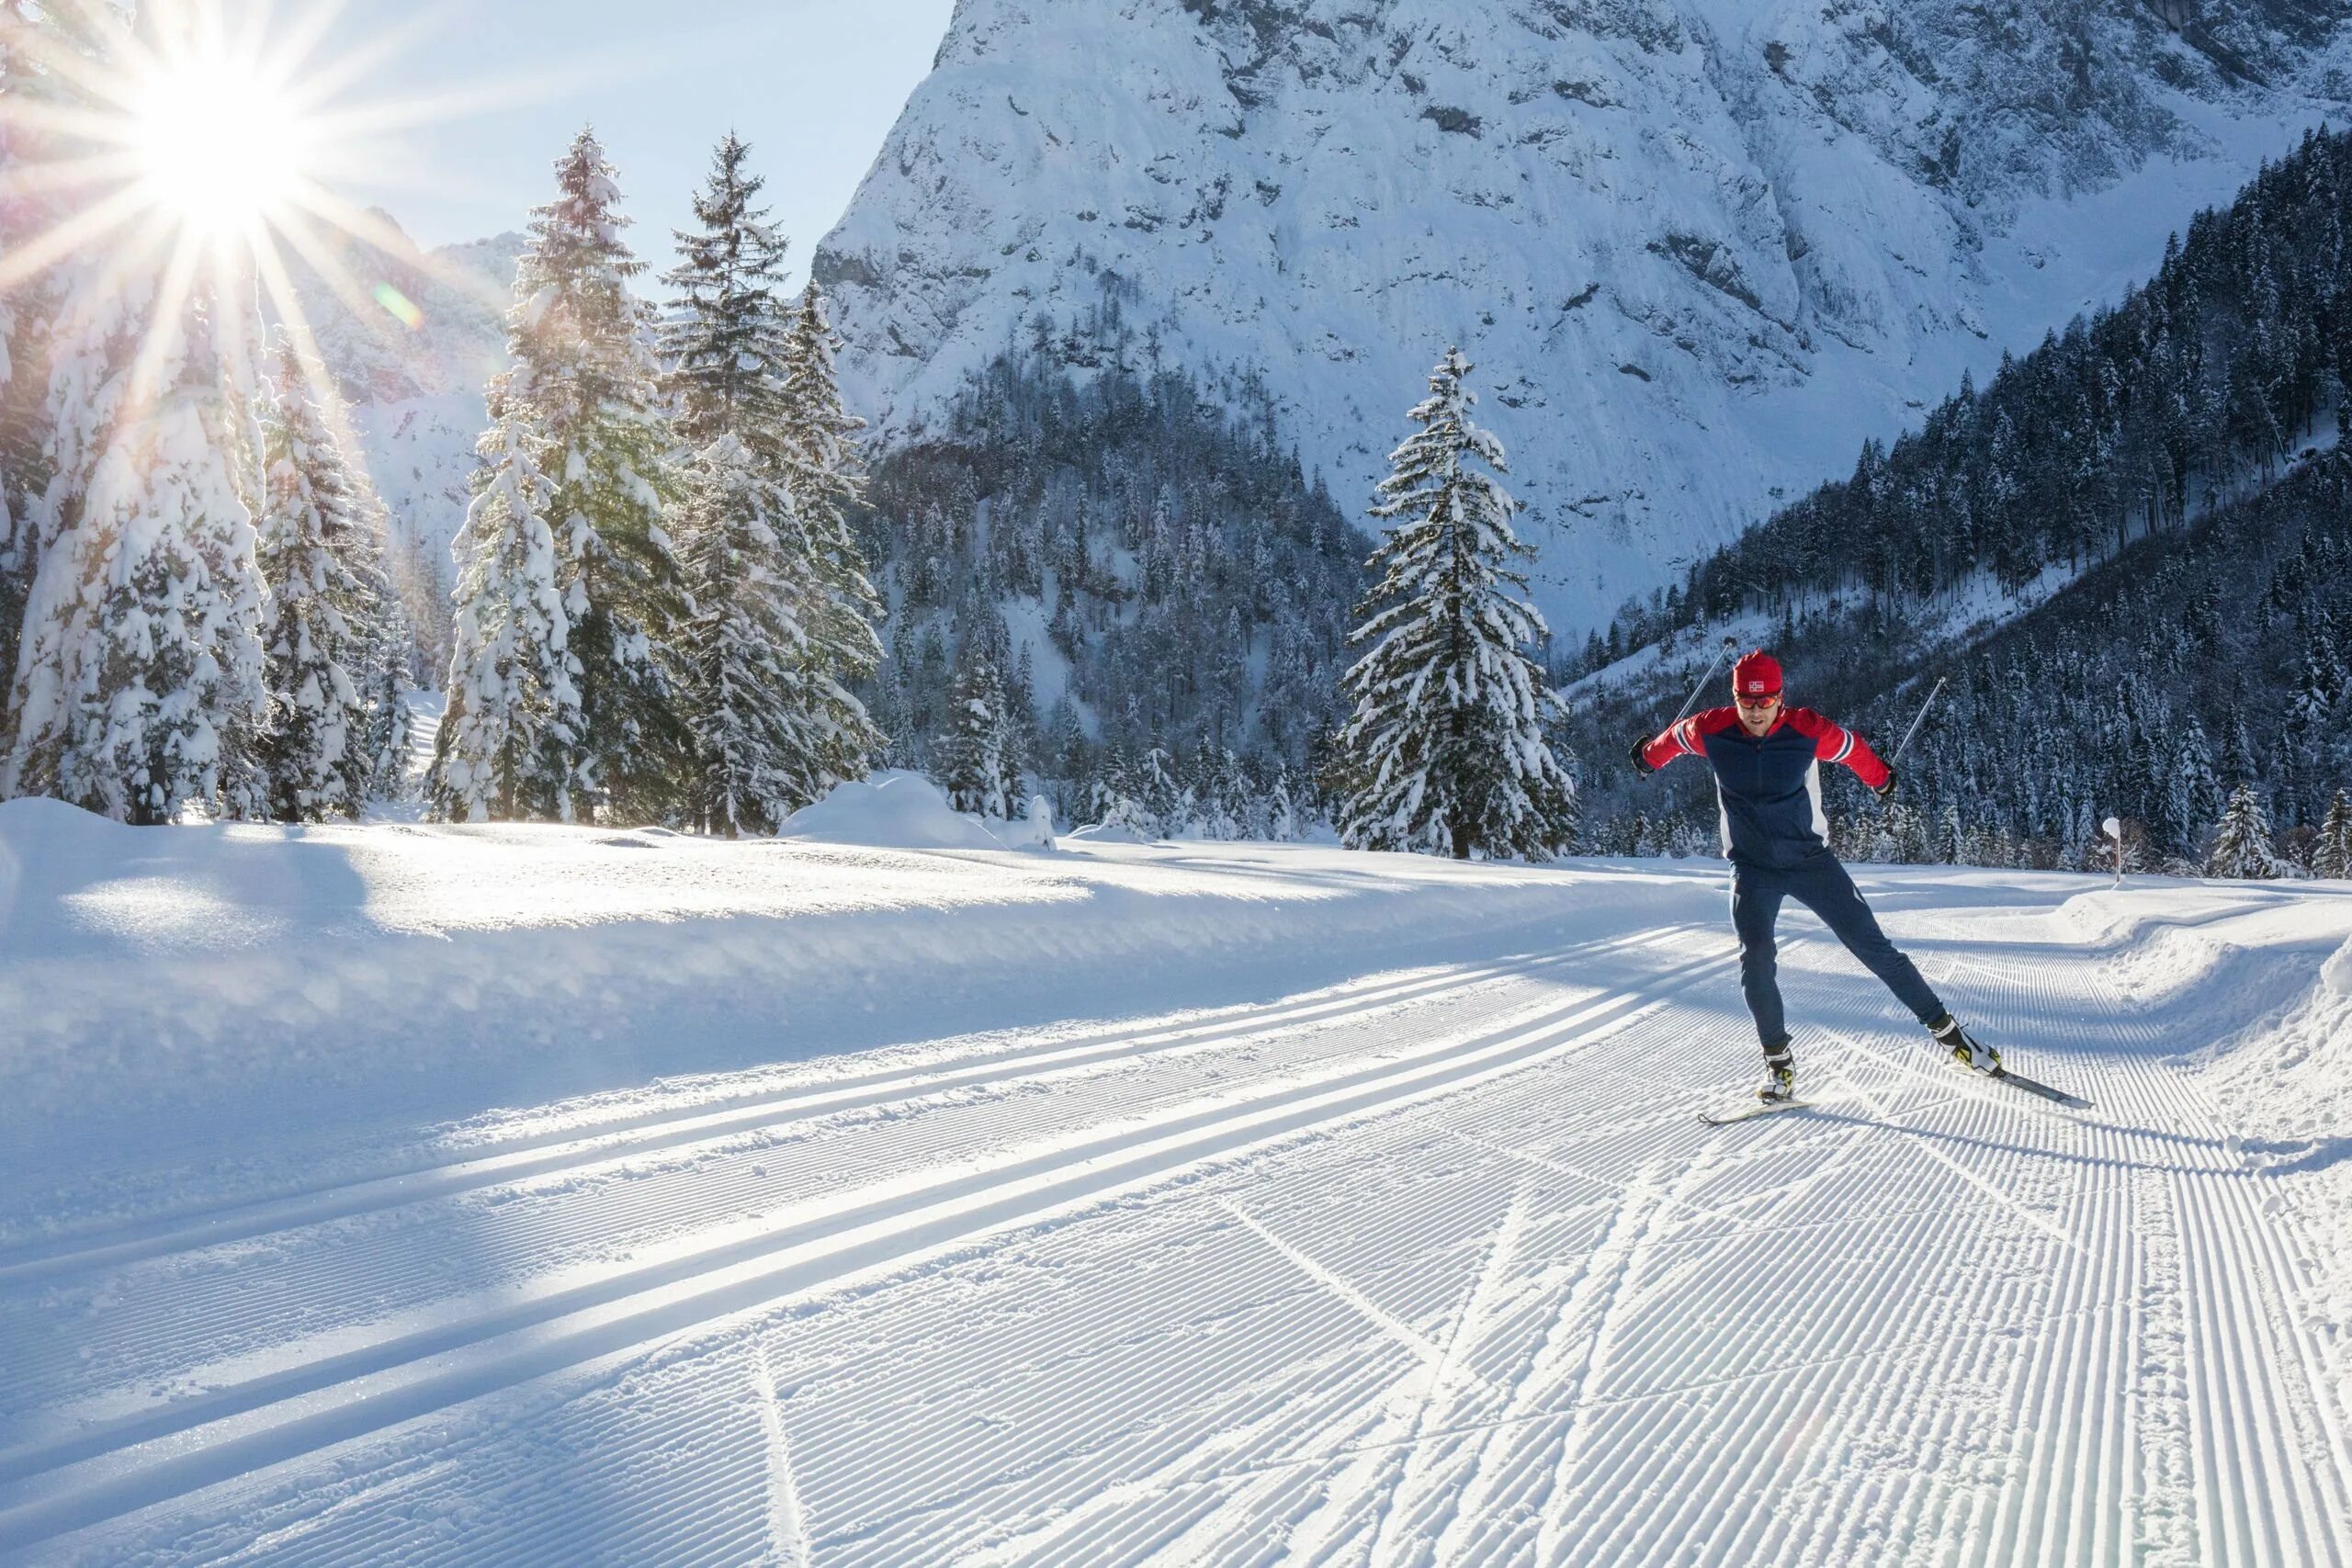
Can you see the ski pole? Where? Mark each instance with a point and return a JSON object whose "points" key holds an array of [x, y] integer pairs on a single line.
{"points": [[1918, 721], [1692, 701]]}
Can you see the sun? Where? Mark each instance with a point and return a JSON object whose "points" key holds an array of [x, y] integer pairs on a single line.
{"points": [[217, 144], [184, 158]]}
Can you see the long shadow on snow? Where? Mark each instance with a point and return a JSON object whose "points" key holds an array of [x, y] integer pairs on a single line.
{"points": [[1820, 1113]]}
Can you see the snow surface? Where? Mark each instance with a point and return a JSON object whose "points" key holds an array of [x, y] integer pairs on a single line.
{"points": [[389, 1194]]}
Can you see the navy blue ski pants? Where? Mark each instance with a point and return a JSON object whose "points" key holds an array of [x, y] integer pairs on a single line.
{"points": [[1822, 886]]}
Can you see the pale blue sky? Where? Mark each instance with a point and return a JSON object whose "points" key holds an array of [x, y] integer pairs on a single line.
{"points": [[501, 86]]}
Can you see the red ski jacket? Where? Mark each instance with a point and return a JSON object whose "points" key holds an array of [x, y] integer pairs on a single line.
{"points": [[1768, 787]]}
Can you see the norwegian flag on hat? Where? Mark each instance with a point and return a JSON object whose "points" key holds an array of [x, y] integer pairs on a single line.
{"points": [[1757, 674]]}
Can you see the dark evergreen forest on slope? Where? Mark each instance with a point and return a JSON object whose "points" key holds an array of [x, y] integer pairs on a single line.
{"points": [[1146, 589], [2197, 387], [2197, 660], [2169, 450]]}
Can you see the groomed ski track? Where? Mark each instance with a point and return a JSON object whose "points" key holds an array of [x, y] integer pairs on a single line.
{"points": [[1430, 1266]]}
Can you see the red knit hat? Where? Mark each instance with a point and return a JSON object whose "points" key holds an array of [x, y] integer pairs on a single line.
{"points": [[1757, 674]]}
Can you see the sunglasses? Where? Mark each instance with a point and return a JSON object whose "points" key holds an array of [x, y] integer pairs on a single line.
{"points": [[1765, 701]]}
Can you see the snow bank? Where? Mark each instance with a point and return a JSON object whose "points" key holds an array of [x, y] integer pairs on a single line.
{"points": [[1108, 833], [2335, 975], [896, 810], [2289, 1084], [201, 989]]}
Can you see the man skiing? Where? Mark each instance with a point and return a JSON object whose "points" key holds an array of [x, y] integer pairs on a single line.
{"points": [[1767, 758]]}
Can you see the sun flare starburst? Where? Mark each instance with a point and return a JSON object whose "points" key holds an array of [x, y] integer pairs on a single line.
{"points": [[217, 143], [194, 147]]}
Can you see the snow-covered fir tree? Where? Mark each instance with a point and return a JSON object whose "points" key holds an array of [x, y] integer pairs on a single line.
{"points": [[43, 106], [1157, 789], [2191, 790], [315, 550], [773, 725], [139, 681], [509, 741], [1114, 802], [387, 656], [2332, 850], [756, 759], [726, 335], [2242, 846], [49, 57], [1282, 808], [580, 410], [1445, 751], [975, 758], [841, 609]]}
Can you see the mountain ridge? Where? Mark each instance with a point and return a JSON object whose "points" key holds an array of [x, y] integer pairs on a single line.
{"points": [[1700, 250]]}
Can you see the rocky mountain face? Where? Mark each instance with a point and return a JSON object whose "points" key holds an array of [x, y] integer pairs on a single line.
{"points": [[412, 340], [1700, 249]]}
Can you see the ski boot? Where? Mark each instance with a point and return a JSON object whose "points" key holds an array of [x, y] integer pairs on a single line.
{"points": [[1780, 1076], [1968, 1051]]}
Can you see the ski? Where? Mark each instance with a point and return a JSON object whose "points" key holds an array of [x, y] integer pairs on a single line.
{"points": [[2019, 1080], [1747, 1113]]}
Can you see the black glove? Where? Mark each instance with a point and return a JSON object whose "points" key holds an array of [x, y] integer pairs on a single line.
{"points": [[1886, 790], [1642, 764]]}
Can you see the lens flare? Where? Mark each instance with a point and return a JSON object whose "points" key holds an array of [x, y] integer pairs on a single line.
{"points": [[403, 307]]}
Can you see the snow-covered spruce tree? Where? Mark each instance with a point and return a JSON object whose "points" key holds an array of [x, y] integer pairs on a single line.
{"points": [[727, 336], [579, 406], [139, 681], [1446, 749], [2242, 846], [1115, 803], [1158, 790], [389, 651], [2331, 851], [827, 480], [773, 725], [322, 633], [974, 757], [509, 742], [43, 106], [744, 683]]}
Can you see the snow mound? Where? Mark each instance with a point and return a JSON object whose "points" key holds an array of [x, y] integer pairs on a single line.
{"points": [[2335, 975], [1110, 833], [1034, 832], [894, 810]]}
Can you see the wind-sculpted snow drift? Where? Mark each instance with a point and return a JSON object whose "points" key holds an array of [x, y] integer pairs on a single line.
{"points": [[1700, 249]]}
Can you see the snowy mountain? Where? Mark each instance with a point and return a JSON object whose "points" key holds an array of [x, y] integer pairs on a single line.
{"points": [[412, 338], [1700, 249]]}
